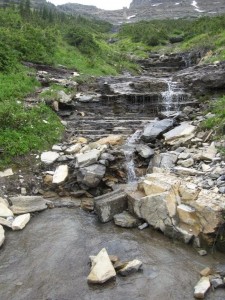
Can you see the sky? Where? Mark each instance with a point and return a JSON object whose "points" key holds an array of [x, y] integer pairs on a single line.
{"points": [[104, 4]]}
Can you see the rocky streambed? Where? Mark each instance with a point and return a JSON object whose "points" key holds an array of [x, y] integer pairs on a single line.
{"points": [[133, 153]]}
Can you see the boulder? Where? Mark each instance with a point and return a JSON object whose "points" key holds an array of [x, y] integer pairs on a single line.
{"points": [[201, 288], [49, 157], [63, 97], [88, 158], [108, 205], [180, 134], [186, 163], [144, 151], [27, 204], [187, 171], [20, 222], [92, 175], [131, 267], [155, 129], [163, 161], [187, 214], [60, 174], [126, 220], [2, 235], [102, 269], [188, 191], [5, 211]]}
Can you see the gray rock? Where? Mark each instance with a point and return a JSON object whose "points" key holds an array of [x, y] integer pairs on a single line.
{"points": [[131, 267], [87, 159], [184, 155], [5, 222], [126, 220], [153, 130], [26, 204], [60, 174], [91, 175], [202, 252], [186, 163], [63, 97], [107, 156], [217, 282], [2, 235], [5, 211], [222, 190], [162, 160], [187, 171], [144, 151], [108, 205]]}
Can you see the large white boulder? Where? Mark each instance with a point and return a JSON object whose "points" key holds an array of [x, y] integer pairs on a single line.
{"points": [[60, 174], [102, 269], [201, 288]]}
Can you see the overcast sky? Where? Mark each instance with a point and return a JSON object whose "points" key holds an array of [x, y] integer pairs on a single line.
{"points": [[105, 4]]}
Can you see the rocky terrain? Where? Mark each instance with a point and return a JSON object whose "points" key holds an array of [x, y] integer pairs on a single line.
{"points": [[150, 9], [134, 153]]}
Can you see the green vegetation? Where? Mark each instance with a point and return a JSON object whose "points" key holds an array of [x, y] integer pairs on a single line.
{"points": [[217, 122]]}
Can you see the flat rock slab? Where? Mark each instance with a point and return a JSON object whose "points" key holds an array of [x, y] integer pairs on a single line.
{"points": [[126, 220], [102, 268], [2, 235], [27, 204], [144, 151], [87, 159], [108, 205], [153, 130], [180, 134], [6, 173]]}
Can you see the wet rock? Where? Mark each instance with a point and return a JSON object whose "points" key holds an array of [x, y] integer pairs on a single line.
{"points": [[49, 157], [126, 220], [92, 175], [108, 205], [2, 235], [131, 267], [155, 129], [20, 222], [162, 160], [102, 269], [6, 173], [201, 288], [27, 204], [60, 175], [108, 156], [180, 134], [87, 159], [220, 269], [144, 151], [5, 211]]}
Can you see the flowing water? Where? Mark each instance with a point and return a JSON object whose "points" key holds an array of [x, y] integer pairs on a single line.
{"points": [[48, 260], [129, 149], [173, 96]]}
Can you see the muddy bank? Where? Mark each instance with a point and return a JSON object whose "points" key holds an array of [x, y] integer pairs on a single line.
{"points": [[49, 260]]}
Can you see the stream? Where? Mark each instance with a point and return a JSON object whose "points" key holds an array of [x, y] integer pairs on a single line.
{"points": [[48, 260]]}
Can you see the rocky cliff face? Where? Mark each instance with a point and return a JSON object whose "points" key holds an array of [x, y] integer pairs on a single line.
{"points": [[151, 9]]}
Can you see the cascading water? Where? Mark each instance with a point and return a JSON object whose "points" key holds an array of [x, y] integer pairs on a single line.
{"points": [[129, 149], [172, 97]]}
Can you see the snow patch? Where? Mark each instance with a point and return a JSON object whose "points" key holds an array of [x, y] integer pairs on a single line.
{"points": [[131, 17], [195, 4]]}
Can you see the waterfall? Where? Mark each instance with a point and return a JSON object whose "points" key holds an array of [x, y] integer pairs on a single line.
{"points": [[129, 149], [172, 97]]}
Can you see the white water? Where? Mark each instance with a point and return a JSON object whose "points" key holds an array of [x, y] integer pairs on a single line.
{"points": [[172, 96], [129, 149]]}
